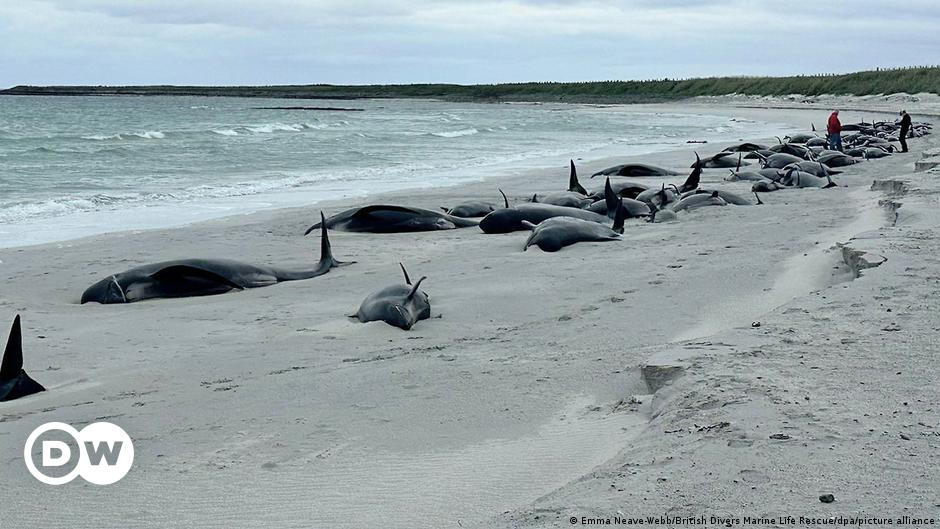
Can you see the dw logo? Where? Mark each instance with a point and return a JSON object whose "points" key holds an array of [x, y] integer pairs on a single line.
{"points": [[101, 453]]}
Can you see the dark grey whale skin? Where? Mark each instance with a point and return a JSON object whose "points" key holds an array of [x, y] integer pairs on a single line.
{"points": [[381, 218], [14, 382], [400, 305], [199, 277], [507, 220]]}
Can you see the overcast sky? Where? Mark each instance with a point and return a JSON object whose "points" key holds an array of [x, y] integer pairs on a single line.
{"points": [[457, 41]]}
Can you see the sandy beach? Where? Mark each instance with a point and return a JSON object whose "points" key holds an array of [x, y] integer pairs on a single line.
{"points": [[616, 379]]}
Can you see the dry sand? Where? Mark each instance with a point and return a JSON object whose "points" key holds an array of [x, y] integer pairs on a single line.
{"points": [[619, 377]]}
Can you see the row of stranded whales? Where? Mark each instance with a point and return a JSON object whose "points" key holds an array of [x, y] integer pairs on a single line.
{"points": [[200, 277], [400, 305], [801, 161], [14, 382]]}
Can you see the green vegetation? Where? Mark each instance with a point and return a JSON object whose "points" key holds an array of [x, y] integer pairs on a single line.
{"points": [[910, 80]]}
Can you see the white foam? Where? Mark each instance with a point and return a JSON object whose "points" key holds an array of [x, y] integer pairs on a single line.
{"points": [[455, 133], [150, 135]]}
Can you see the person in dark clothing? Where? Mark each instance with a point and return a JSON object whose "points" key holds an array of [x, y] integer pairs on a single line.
{"points": [[905, 129], [834, 131]]}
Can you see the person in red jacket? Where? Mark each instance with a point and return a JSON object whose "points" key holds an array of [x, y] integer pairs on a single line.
{"points": [[834, 129]]}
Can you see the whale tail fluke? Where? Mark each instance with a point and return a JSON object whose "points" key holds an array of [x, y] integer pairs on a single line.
{"points": [[573, 184]]}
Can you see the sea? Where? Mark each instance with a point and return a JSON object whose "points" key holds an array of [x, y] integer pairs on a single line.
{"points": [[77, 166]]}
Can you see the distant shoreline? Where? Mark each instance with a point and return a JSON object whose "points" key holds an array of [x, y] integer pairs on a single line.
{"points": [[907, 80]]}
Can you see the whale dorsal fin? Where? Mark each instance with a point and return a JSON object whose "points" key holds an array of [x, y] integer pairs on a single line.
{"points": [[694, 178], [407, 279], [535, 198], [573, 184], [505, 200], [326, 250], [611, 199], [414, 289], [619, 217], [13, 354]]}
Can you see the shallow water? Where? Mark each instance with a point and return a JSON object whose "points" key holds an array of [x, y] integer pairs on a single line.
{"points": [[75, 166]]}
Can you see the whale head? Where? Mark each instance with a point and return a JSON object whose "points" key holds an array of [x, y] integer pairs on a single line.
{"points": [[108, 290]]}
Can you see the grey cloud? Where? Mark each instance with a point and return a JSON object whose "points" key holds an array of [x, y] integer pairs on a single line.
{"points": [[371, 41]]}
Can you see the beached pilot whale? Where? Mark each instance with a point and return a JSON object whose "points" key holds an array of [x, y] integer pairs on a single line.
{"points": [[14, 382], [635, 170], [474, 208], [398, 305], [510, 219], [392, 219], [574, 197], [555, 233], [200, 277]]}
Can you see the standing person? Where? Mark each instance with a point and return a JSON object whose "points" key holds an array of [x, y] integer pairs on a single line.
{"points": [[834, 129], [905, 129]]}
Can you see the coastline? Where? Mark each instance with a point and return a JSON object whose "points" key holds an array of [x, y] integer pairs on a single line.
{"points": [[340, 194], [275, 388]]}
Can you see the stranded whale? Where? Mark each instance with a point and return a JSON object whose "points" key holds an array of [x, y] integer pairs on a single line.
{"points": [[199, 277]]}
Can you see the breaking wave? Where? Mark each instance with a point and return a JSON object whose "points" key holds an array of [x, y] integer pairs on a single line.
{"points": [[455, 133]]}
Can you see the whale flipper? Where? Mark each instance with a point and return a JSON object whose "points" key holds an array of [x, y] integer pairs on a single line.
{"points": [[407, 279], [414, 289]]}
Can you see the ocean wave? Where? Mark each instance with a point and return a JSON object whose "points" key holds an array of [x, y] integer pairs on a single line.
{"points": [[23, 210], [102, 137], [455, 133], [225, 132], [276, 127], [150, 135], [60, 206], [146, 135]]}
